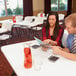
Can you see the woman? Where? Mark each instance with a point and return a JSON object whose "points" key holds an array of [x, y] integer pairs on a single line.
{"points": [[52, 32]]}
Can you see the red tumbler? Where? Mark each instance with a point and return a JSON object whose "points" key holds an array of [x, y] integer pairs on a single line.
{"points": [[28, 58], [41, 15], [14, 19]]}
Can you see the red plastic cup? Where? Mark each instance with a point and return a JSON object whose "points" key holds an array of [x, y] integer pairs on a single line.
{"points": [[14, 19], [41, 15]]}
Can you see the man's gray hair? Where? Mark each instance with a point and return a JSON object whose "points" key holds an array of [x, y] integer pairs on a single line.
{"points": [[71, 18]]}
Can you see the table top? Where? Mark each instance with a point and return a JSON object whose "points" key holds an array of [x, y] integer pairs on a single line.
{"points": [[41, 65]]}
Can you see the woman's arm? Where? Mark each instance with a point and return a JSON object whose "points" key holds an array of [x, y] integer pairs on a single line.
{"points": [[44, 33], [59, 37], [53, 43]]}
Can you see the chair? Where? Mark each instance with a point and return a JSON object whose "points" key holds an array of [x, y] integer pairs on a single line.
{"points": [[37, 30], [38, 21], [61, 18], [19, 18], [29, 19], [33, 22], [64, 38], [5, 32], [47, 15], [41, 14]]}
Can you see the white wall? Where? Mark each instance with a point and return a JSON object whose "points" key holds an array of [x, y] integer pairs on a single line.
{"points": [[38, 5]]}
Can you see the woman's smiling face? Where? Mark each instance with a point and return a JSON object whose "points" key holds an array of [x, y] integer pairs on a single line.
{"points": [[52, 20]]}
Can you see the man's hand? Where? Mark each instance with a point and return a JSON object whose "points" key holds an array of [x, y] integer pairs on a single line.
{"points": [[56, 49]]}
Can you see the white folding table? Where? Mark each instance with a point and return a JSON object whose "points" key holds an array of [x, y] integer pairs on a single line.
{"points": [[15, 56]]}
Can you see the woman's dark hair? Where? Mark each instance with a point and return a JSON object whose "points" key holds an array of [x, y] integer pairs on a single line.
{"points": [[56, 29]]}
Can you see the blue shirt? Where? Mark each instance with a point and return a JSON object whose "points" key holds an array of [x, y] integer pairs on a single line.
{"points": [[69, 41]]}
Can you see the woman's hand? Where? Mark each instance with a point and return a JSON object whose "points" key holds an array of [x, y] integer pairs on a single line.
{"points": [[49, 41], [46, 41], [53, 43], [44, 49]]}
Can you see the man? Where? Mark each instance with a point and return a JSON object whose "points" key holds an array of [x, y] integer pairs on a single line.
{"points": [[70, 50]]}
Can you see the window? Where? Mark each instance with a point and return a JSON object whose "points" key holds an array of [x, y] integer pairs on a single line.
{"points": [[11, 7], [59, 5]]}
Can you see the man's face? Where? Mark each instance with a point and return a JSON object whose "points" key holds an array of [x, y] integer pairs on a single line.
{"points": [[70, 29]]}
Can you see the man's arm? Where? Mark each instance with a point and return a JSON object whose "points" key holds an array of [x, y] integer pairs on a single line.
{"points": [[68, 55], [64, 52]]}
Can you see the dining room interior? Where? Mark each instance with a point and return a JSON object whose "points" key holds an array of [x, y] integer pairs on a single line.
{"points": [[22, 20]]}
